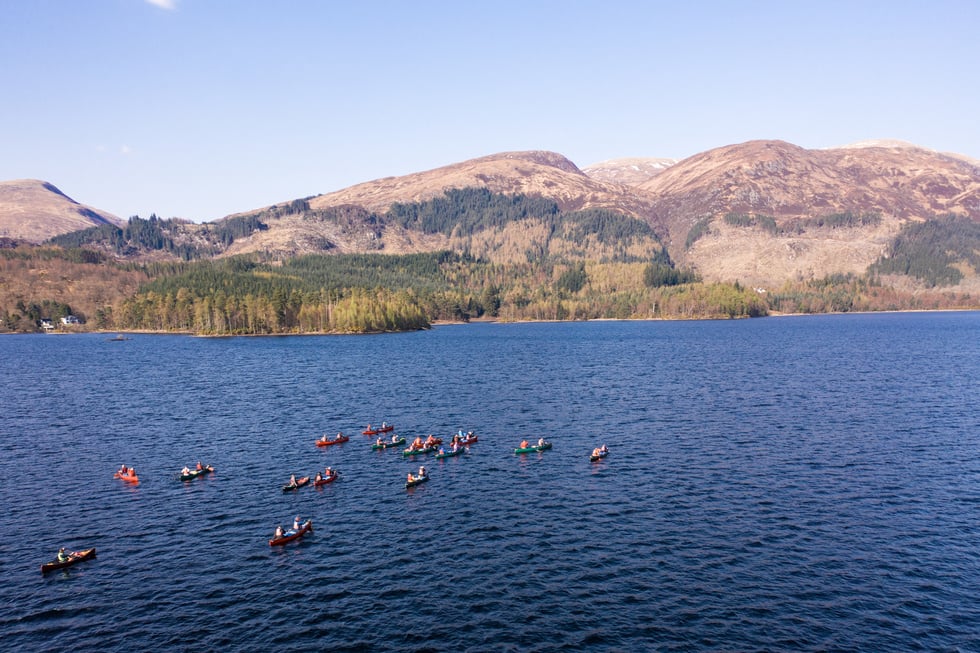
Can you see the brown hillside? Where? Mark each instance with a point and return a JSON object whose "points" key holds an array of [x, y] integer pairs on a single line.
{"points": [[793, 185], [34, 210], [530, 173]]}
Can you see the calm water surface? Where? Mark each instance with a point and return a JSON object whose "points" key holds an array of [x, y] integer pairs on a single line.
{"points": [[805, 483]]}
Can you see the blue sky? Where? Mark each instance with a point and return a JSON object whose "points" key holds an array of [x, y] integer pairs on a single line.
{"points": [[201, 108]]}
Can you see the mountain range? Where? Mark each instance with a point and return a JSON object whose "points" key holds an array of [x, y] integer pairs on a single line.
{"points": [[761, 212]]}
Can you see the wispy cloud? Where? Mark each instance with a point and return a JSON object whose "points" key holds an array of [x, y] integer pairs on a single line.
{"points": [[125, 149], [169, 5]]}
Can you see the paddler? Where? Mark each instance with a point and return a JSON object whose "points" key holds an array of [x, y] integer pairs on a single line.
{"points": [[62, 556]]}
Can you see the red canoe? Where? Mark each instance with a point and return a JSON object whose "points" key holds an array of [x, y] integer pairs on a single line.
{"points": [[326, 479], [73, 557], [129, 478], [387, 428], [327, 443], [291, 535]]}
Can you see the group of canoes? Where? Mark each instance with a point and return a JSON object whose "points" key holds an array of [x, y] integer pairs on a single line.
{"points": [[431, 443], [328, 475], [418, 446], [128, 474]]}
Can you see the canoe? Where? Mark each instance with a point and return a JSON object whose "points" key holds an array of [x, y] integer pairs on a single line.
{"points": [[470, 439], [415, 452], [385, 445], [321, 443], [533, 448], [450, 453], [73, 557], [416, 480], [326, 479], [194, 473], [129, 478], [386, 429], [300, 482], [291, 535], [595, 458]]}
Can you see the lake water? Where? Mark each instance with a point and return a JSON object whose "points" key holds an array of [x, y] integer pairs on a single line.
{"points": [[805, 483]]}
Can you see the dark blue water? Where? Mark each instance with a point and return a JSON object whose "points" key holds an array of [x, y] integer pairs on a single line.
{"points": [[802, 483]]}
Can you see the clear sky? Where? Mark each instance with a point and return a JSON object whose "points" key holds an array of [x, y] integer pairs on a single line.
{"points": [[202, 108]]}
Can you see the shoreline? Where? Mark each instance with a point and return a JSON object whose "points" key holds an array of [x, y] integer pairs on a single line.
{"points": [[480, 320]]}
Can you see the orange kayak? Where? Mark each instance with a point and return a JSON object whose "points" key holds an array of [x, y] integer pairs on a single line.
{"points": [[130, 478]]}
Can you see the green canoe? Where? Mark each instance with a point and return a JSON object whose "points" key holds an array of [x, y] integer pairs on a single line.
{"points": [[534, 448], [450, 453], [415, 452], [385, 445]]}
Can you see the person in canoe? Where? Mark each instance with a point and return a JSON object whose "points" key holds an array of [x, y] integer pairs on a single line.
{"points": [[62, 556], [379, 442], [540, 442], [122, 470], [416, 443], [604, 449], [596, 452], [199, 466], [524, 444], [292, 480], [318, 477], [185, 471], [297, 523], [278, 531], [442, 451], [410, 478], [422, 472], [394, 437], [328, 472], [430, 441]]}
